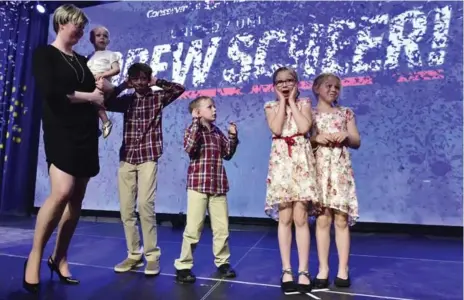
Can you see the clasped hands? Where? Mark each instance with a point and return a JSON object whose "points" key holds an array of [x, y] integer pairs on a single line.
{"points": [[331, 139]]}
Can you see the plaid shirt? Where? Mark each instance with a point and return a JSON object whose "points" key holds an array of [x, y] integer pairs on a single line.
{"points": [[207, 148], [142, 134]]}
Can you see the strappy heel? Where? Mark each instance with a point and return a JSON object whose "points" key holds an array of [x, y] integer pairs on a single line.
{"points": [[304, 287], [288, 287], [54, 268]]}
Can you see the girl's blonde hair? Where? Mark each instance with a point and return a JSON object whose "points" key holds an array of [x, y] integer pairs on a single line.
{"points": [[320, 79], [68, 13]]}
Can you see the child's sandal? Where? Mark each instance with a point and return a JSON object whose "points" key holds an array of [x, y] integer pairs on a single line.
{"points": [[106, 129]]}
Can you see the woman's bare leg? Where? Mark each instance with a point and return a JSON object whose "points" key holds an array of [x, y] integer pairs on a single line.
{"points": [[68, 224], [62, 185]]}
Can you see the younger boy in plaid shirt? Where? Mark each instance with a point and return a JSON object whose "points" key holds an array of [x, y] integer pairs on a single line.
{"points": [[207, 186]]}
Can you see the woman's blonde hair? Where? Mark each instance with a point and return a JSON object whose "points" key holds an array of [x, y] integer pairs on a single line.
{"points": [[321, 78], [68, 13]]}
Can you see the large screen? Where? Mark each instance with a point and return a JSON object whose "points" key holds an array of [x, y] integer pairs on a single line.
{"points": [[401, 65]]}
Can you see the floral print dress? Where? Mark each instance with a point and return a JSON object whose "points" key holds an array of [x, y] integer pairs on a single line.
{"points": [[334, 171], [292, 174]]}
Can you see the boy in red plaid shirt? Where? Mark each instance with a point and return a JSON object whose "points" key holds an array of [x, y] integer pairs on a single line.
{"points": [[141, 148], [207, 186]]}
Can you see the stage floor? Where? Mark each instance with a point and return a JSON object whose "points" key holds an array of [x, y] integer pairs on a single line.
{"points": [[396, 267]]}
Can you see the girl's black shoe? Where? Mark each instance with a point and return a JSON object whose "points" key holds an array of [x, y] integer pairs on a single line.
{"points": [[288, 287], [320, 283], [32, 288], [54, 268], [304, 288], [342, 283]]}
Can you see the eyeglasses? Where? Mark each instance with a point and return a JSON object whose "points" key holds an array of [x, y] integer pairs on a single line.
{"points": [[285, 82]]}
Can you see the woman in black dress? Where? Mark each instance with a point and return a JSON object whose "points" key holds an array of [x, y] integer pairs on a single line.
{"points": [[70, 125]]}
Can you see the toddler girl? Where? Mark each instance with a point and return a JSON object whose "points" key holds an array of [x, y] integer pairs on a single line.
{"points": [[103, 64]]}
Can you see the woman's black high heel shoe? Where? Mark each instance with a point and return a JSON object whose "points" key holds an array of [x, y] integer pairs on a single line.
{"points": [[30, 287], [288, 287], [54, 268], [304, 288]]}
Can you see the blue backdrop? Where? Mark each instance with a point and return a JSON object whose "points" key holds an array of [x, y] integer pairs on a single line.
{"points": [[22, 29], [402, 70]]}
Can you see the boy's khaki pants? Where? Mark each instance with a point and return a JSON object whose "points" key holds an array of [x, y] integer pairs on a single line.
{"points": [[139, 181], [197, 204]]}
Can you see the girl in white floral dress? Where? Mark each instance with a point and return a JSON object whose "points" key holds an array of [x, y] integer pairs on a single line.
{"points": [[291, 182], [334, 131]]}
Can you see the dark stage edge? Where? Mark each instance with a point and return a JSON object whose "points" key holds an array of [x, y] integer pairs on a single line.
{"points": [[383, 266]]}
